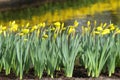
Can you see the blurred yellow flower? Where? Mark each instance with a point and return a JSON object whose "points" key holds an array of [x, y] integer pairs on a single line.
{"points": [[112, 27], [71, 30], [32, 30], [99, 28], [105, 31], [25, 31], [88, 23], [35, 27], [0, 31], [45, 36], [41, 24], [4, 28], [105, 24], [13, 22], [118, 32], [52, 29], [27, 25], [62, 27], [76, 23], [21, 34], [96, 32], [14, 28], [57, 24]]}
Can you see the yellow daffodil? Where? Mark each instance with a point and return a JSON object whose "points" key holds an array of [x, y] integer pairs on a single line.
{"points": [[105, 31], [13, 23], [112, 27], [4, 28], [14, 28], [99, 28], [71, 30], [27, 25], [0, 31], [45, 36], [25, 31], [62, 27], [35, 27], [88, 23], [41, 25], [32, 30], [21, 34], [96, 32], [118, 32], [57, 24], [52, 29], [76, 23], [105, 24]]}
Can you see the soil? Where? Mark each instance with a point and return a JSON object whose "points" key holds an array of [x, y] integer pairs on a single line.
{"points": [[79, 74]]}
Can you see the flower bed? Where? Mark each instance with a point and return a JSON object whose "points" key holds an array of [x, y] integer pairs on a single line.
{"points": [[48, 48]]}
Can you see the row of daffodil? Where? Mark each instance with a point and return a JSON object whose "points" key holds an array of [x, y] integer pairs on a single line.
{"points": [[57, 27], [57, 46], [102, 29]]}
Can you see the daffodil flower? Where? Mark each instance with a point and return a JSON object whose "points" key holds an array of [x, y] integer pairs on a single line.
{"points": [[112, 27], [27, 25], [71, 30], [21, 34], [45, 36], [76, 23], [57, 24], [4, 28], [14, 28], [105, 24], [105, 31], [99, 28], [25, 31], [96, 32], [35, 27], [88, 23]]}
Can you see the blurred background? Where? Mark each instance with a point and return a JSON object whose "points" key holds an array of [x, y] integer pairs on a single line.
{"points": [[35, 11]]}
